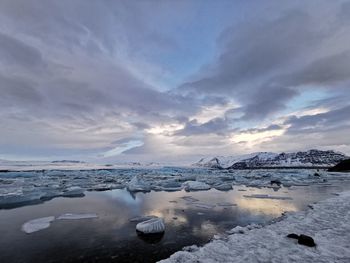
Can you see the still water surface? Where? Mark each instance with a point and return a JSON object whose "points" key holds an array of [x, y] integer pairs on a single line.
{"points": [[112, 237]]}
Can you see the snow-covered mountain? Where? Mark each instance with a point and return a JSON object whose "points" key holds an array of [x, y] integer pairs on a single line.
{"points": [[311, 158]]}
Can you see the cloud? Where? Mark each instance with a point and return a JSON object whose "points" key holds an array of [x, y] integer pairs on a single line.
{"points": [[264, 61], [319, 122], [86, 78]]}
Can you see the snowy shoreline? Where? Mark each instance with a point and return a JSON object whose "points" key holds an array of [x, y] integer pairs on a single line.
{"points": [[327, 222]]}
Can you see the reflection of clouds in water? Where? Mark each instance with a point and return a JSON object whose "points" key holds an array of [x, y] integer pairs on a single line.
{"points": [[123, 196], [264, 206], [160, 201], [205, 228]]}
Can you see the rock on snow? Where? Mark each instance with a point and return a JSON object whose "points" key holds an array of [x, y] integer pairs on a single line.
{"points": [[327, 223], [37, 224]]}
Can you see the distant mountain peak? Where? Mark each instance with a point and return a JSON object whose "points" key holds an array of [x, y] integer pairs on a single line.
{"points": [[310, 158]]}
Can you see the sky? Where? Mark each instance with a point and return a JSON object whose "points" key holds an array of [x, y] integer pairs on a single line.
{"points": [[172, 81]]}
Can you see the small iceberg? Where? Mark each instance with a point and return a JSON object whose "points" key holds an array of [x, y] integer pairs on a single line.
{"points": [[189, 199], [74, 191], [263, 196], [151, 226], [37, 224], [223, 187], [137, 184], [204, 205], [69, 216], [225, 204], [195, 186]]}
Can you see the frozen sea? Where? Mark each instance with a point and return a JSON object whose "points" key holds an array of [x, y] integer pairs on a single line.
{"points": [[191, 217]]}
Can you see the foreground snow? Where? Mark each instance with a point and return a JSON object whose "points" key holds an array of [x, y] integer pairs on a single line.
{"points": [[327, 222]]}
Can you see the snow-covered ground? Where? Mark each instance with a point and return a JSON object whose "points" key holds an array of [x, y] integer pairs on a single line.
{"points": [[327, 222]]}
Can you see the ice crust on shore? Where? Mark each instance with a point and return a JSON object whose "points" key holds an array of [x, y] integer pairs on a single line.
{"points": [[327, 223]]}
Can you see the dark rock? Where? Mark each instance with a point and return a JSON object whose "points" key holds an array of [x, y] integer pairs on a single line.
{"points": [[277, 182], [341, 167], [306, 241], [317, 174], [295, 236]]}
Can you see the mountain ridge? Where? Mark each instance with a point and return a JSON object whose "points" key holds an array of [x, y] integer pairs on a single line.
{"points": [[301, 159]]}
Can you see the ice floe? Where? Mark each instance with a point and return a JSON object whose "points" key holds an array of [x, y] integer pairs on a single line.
{"points": [[225, 204], [195, 186], [137, 184], [189, 199], [74, 191], [203, 205], [25, 187], [37, 224], [264, 196], [70, 216]]}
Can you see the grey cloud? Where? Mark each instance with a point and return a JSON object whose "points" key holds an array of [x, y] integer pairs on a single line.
{"points": [[255, 50], [324, 71], [319, 122], [266, 101], [15, 52], [217, 126], [255, 62], [16, 91], [272, 127]]}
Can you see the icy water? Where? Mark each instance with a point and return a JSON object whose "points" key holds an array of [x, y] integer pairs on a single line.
{"points": [[112, 237]]}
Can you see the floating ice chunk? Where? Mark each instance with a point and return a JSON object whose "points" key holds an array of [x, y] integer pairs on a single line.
{"points": [[189, 199], [151, 226], [141, 218], [195, 186], [223, 187], [74, 191], [14, 199], [137, 184], [69, 216], [204, 205], [37, 224], [263, 196], [226, 204]]}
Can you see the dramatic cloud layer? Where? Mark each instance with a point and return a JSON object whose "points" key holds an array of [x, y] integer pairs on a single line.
{"points": [[172, 80]]}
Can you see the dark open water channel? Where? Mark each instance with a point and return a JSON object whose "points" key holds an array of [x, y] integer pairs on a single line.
{"points": [[112, 237]]}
